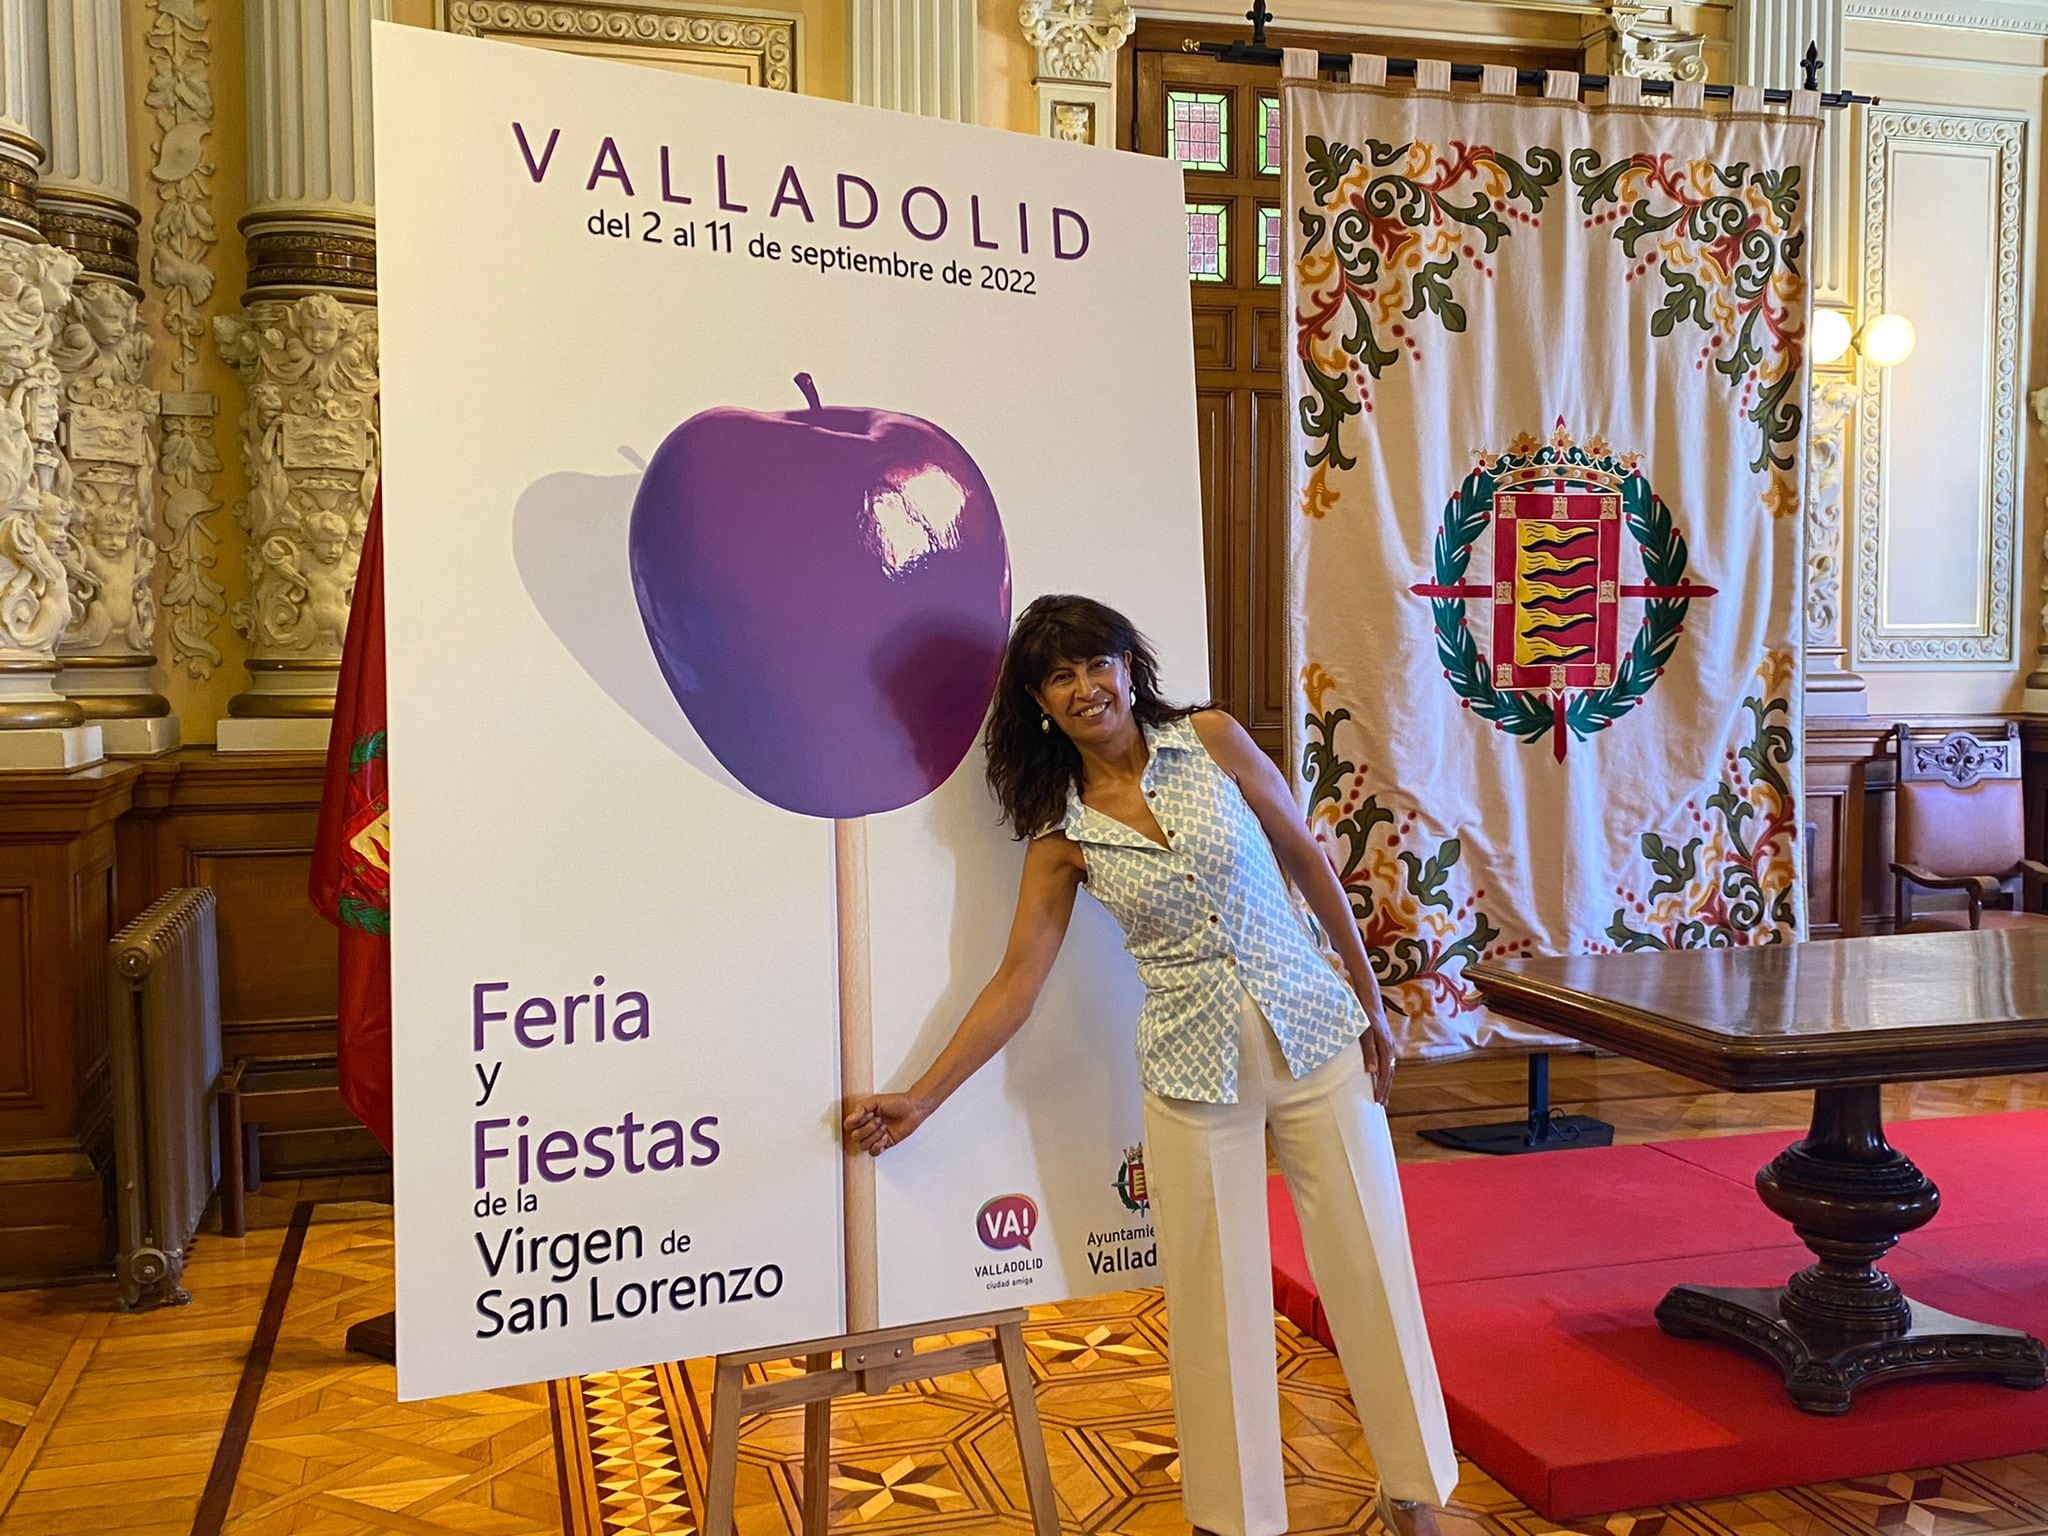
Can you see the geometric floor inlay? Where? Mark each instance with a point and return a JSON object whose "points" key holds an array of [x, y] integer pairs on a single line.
{"points": [[119, 1422]]}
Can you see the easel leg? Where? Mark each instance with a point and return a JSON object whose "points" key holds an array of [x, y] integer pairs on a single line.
{"points": [[719, 1487], [1023, 1393], [818, 1455]]}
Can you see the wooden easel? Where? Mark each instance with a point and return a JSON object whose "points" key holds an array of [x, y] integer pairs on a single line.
{"points": [[869, 1363], [871, 1359]]}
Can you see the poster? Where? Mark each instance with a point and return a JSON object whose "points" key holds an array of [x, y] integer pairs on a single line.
{"points": [[639, 328]]}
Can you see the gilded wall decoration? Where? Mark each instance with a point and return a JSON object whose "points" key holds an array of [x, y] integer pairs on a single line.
{"points": [[179, 97], [766, 44]]}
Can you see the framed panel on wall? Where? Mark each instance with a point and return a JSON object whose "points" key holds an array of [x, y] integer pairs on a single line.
{"points": [[1938, 436], [749, 47]]}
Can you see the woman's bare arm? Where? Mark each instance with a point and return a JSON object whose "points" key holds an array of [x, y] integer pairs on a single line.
{"points": [[1053, 868]]}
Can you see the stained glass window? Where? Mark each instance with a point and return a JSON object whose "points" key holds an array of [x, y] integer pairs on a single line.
{"points": [[1271, 143], [1208, 242], [1198, 129], [1270, 230]]}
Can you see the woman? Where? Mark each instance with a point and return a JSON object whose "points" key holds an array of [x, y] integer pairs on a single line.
{"points": [[1182, 827]]}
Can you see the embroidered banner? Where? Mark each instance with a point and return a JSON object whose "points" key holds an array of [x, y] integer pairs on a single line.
{"points": [[1546, 474]]}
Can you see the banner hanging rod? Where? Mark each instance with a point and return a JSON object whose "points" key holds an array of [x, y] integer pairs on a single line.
{"points": [[1257, 51]]}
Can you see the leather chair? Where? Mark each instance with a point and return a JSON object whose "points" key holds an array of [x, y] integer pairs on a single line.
{"points": [[1961, 827]]}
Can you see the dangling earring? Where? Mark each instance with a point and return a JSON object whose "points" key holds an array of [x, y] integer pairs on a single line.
{"points": [[1134, 695], [1045, 722]]}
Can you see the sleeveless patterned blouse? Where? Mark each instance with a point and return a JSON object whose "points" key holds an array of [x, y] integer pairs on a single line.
{"points": [[1204, 915]]}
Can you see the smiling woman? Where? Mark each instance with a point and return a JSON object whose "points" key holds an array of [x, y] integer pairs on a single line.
{"points": [[1185, 831]]}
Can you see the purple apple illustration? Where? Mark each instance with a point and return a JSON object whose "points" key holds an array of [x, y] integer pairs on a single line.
{"points": [[827, 593]]}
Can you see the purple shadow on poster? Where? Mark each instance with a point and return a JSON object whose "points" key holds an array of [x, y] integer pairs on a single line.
{"points": [[827, 593]]}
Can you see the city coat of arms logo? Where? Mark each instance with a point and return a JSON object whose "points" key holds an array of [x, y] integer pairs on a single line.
{"points": [[1555, 662], [1130, 1181]]}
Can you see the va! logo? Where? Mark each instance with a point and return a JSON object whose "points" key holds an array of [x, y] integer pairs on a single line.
{"points": [[1007, 1222], [1130, 1181]]}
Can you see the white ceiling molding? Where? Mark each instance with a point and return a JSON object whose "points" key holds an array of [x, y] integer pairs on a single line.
{"points": [[2027, 17]]}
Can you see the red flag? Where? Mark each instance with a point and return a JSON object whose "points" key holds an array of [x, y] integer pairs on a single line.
{"points": [[351, 884]]}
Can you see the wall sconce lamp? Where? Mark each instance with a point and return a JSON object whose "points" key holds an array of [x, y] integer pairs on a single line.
{"points": [[1884, 340]]}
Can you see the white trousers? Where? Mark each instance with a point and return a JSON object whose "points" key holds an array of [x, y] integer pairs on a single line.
{"points": [[1206, 1168]]}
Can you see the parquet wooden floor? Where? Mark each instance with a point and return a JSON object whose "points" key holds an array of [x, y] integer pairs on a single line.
{"points": [[117, 1423]]}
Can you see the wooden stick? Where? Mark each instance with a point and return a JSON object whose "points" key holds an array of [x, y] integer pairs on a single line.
{"points": [[856, 1070]]}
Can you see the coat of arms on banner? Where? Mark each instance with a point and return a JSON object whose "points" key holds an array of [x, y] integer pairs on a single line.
{"points": [[1556, 665]]}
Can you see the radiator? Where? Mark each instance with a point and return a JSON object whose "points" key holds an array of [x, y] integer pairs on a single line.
{"points": [[163, 1041]]}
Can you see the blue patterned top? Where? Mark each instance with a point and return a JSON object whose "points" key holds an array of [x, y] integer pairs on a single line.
{"points": [[1201, 916]]}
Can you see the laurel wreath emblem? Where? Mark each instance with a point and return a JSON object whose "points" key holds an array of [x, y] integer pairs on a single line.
{"points": [[1531, 715]]}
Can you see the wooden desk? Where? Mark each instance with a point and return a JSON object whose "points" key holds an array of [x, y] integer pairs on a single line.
{"points": [[1842, 1017]]}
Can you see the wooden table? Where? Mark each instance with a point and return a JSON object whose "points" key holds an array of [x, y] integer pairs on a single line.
{"points": [[1842, 1017]]}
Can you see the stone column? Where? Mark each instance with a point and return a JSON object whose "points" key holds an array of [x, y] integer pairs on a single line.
{"points": [[913, 56], [39, 727], [305, 344], [109, 648], [1077, 43]]}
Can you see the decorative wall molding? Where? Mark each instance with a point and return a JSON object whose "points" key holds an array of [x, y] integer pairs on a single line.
{"points": [[310, 444], [2026, 17], [1999, 138], [767, 44], [179, 96], [1076, 42], [1826, 459]]}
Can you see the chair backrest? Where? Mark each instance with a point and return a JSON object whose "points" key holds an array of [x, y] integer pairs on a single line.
{"points": [[1961, 810]]}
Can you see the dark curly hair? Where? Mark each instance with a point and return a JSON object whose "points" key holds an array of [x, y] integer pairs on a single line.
{"points": [[1030, 769]]}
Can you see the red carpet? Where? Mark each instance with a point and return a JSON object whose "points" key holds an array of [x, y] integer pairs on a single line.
{"points": [[1540, 1275]]}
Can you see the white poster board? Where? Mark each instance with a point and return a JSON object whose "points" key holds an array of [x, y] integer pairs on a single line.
{"points": [[576, 258]]}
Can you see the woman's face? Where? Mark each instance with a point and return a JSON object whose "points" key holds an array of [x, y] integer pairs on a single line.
{"points": [[1088, 698]]}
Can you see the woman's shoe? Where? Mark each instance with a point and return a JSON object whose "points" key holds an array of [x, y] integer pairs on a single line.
{"points": [[1406, 1517]]}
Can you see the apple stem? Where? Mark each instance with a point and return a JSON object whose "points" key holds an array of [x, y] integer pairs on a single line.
{"points": [[803, 382]]}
